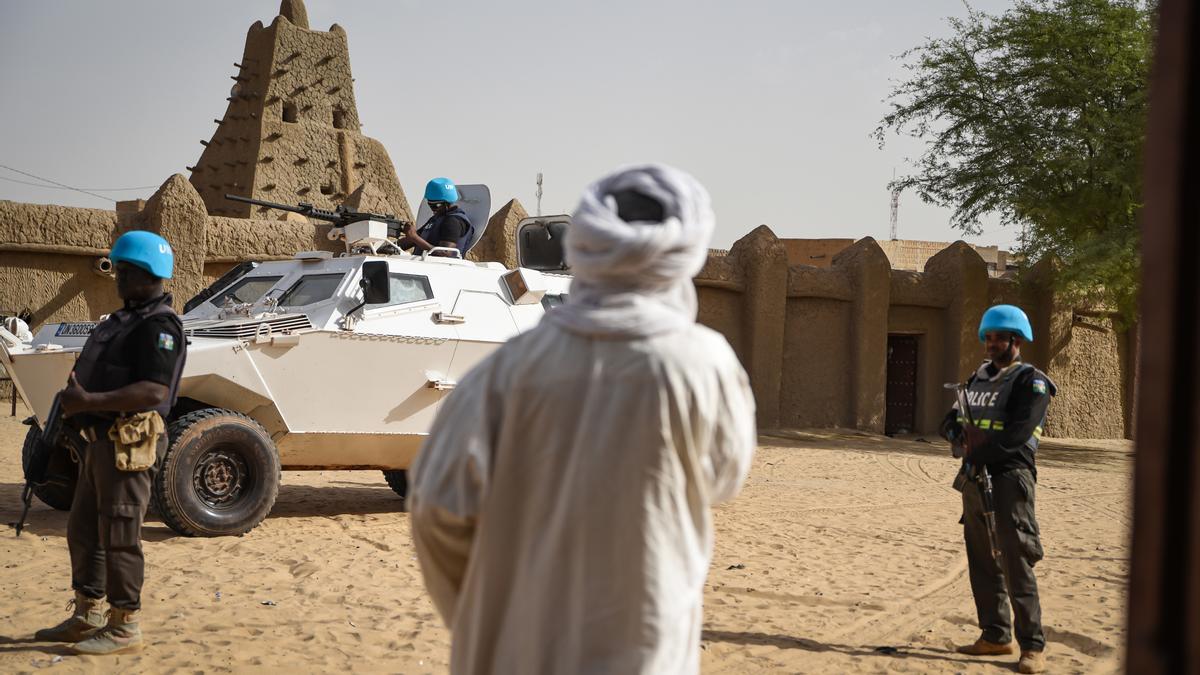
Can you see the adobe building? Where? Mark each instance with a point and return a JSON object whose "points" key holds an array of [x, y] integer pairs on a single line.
{"points": [[834, 333], [903, 254], [291, 130], [860, 344]]}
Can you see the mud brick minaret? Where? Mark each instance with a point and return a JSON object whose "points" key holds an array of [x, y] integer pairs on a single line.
{"points": [[291, 131]]}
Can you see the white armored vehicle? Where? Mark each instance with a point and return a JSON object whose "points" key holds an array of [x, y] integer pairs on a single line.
{"points": [[319, 362]]}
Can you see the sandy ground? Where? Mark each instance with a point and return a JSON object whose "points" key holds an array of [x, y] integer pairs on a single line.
{"points": [[843, 554]]}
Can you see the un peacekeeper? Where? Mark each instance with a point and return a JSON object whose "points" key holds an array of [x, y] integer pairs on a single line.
{"points": [[449, 226], [1008, 401], [119, 393]]}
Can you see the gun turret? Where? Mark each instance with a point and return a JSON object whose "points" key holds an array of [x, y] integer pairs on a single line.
{"points": [[340, 216]]}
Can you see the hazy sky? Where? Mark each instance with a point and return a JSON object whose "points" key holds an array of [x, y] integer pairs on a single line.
{"points": [[770, 104]]}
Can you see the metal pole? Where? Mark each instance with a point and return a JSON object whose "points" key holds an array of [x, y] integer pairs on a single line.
{"points": [[539, 195]]}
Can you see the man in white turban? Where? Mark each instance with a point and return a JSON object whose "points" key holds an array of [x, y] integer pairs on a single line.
{"points": [[560, 508]]}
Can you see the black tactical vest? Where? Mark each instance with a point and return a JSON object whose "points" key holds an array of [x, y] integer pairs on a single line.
{"points": [[102, 365], [434, 224], [988, 400]]}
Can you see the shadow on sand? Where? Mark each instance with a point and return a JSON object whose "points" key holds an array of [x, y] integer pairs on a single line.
{"points": [[339, 498], [11, 645], [1063, 452], [789, 642]]}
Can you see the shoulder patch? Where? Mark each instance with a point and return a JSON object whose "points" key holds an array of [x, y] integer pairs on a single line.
{"points": [[166, 342], [1039, 386]]}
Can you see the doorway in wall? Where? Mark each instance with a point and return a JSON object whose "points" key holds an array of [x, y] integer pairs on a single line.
{"points": [[901, 414]]}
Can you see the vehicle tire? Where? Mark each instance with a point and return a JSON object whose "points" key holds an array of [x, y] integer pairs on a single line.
{"points": [[219, 476], [398, 481], [59, 492]]}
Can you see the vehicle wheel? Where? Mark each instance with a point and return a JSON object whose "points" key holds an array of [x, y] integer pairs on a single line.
{"points": [[398, 481], [220, 474], [59, 491]]}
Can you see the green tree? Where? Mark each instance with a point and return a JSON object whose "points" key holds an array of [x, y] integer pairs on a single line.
{"points": [[1037, 115]]}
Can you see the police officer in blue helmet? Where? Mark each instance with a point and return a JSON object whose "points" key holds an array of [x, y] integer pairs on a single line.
{"points": [[449, 227], [119, 395], [1008, 400]]}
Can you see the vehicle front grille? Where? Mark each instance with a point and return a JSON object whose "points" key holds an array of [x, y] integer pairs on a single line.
{"points": [[246, 329]]}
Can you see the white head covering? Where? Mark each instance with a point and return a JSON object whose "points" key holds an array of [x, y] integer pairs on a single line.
{"points": [[634, 279]]}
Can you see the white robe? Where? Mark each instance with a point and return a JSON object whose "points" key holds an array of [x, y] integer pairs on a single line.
{"points": [[560, 508]]}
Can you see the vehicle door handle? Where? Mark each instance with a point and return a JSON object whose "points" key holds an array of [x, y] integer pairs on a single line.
{"points": [[441, 385]]}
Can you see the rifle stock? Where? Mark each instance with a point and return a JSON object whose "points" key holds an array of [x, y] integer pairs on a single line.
{"points": [[56, 434]]}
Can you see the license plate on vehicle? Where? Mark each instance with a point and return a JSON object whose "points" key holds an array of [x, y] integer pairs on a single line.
{"points": [[74, 329]]}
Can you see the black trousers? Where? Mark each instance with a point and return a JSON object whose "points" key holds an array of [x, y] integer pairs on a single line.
{"points": [[104, 531], [1021, 545]]}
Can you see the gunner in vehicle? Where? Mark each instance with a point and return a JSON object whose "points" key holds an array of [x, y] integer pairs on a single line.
{"points": [[119, 394], [449, 227]]}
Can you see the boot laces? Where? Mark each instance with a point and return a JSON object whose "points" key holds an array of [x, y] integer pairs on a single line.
{"points": [[107, 628]]}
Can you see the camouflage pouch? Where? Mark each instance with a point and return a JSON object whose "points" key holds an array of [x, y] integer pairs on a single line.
{"points": [[135, 437]]}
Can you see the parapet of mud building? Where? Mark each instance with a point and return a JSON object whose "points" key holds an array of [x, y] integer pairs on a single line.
{"points": [[903, 254], [862, 345], [291, 132], [49, 254]]}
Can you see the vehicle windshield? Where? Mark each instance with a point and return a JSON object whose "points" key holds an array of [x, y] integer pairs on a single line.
{"points": [[405, 288], [311, 289], [247, 289]]}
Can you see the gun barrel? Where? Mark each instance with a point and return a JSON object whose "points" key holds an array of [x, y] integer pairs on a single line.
{"points": [[259, 202], [341, 217]]}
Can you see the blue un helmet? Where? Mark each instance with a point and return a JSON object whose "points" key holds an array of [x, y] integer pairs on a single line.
{"points": [[146, 250], [1005, 318], [441, 190]]}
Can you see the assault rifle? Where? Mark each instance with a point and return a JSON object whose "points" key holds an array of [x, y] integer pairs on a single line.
{"points": [[981, 476], [57, 434], [340, 216]]}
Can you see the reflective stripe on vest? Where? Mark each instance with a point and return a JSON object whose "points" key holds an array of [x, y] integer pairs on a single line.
{"points": [[989, 402]]}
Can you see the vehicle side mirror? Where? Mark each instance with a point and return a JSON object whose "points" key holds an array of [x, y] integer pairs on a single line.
{"points": [[376, 289]]}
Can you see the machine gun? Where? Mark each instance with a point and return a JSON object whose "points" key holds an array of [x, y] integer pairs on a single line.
{"points": [[340, 216], [37, 472], [981, 476]]}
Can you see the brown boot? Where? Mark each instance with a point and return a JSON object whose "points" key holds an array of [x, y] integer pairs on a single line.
{"points": [[121, 634], [982, 647], [1031, 661], [86, 619]]}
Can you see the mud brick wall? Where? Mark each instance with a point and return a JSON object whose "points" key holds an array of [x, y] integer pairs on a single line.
{"points": [[814, 337]]}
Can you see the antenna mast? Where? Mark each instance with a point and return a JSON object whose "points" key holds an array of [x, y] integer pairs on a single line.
{"points": [[895, 209], [539, 195]]}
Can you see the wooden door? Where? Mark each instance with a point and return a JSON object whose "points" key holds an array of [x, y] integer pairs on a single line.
{"points": [[901, 415]]}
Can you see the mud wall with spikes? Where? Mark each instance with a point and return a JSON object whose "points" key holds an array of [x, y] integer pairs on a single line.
{"points": [[814, 340], [48, 254]]}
